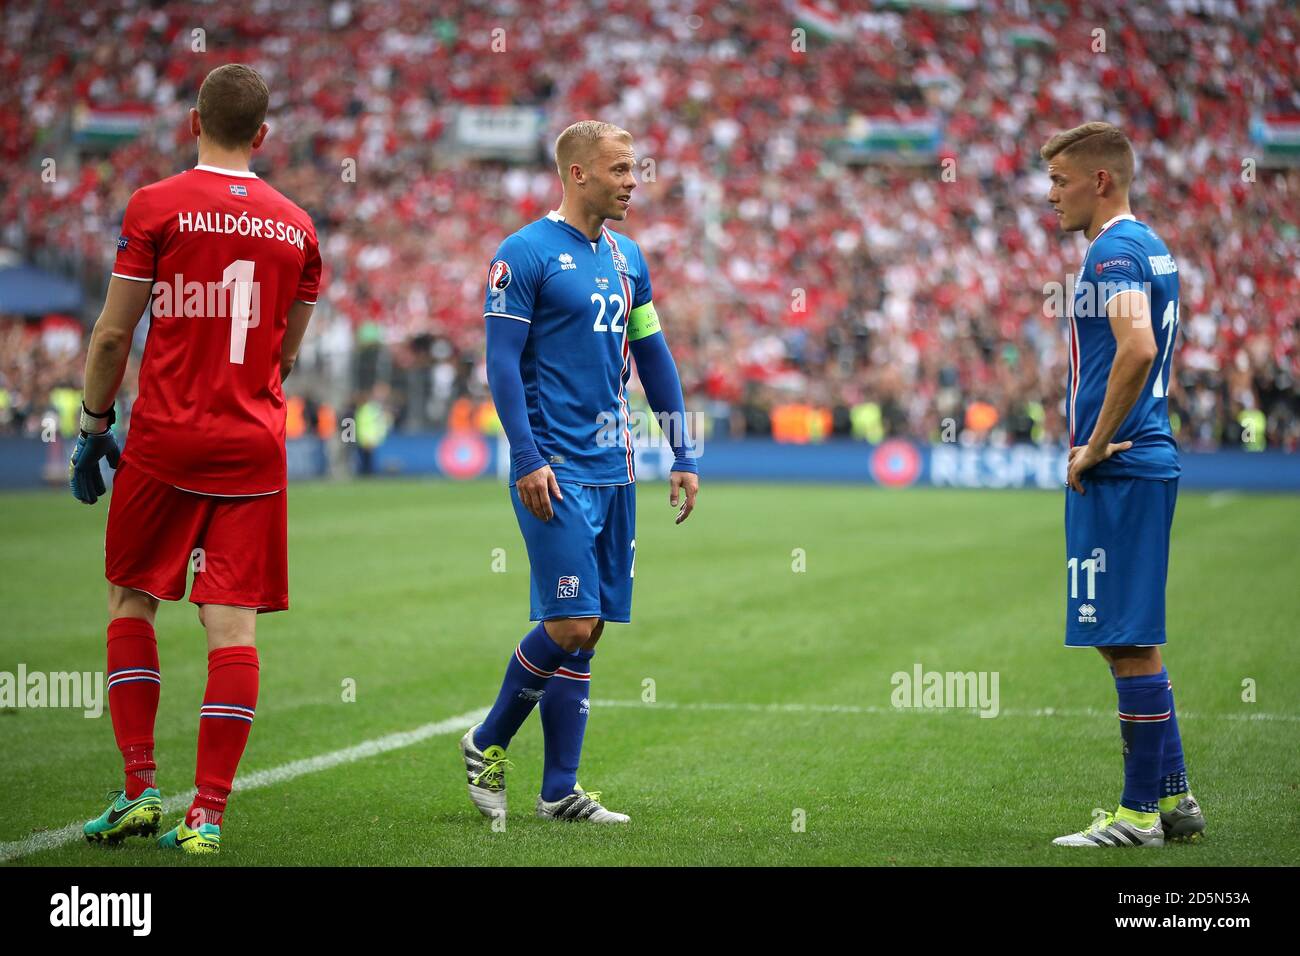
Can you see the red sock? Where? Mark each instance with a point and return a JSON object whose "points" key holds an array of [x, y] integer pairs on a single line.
{"points": [[224, 724], [133, 687]]}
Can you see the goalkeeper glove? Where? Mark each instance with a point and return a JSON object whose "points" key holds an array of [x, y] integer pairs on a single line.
{"points": [[84, 476]]}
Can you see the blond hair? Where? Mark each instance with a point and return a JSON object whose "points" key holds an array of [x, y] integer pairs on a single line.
{"points": [[577, 143], [1094, 146]]}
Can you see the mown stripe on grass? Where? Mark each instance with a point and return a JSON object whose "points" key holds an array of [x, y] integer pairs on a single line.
{"points": [[52, 839], [869, 709]]}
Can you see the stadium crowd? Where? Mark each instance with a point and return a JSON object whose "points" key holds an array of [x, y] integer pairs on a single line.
{"points": [[802, 295]]}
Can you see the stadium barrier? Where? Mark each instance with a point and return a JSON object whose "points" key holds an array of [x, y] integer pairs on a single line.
{"points": [[893, 463], [896, 463]]}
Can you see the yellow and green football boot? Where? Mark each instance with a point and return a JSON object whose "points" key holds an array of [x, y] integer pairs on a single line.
{"points": [[206, 839], [124, 818]]}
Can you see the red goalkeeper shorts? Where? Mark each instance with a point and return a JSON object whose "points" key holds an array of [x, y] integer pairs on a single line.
{"points": [[238, 546]]}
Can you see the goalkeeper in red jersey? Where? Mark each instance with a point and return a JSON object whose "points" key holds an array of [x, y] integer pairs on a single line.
{"points": [[229, 271]]}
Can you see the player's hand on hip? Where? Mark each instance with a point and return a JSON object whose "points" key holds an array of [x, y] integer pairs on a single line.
{"points": [[686, 485], [535, 491], [1083, 457], [84, 477]]}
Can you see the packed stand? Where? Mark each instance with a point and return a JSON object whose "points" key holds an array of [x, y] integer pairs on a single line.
{"points": [[801, 296]]}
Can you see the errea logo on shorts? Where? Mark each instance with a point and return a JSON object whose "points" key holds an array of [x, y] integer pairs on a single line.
{"points": [[568, 586], [1087, 614]]}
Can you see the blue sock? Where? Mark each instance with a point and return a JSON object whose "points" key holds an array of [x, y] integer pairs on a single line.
{"points": [[530, 667], [1174, 769], [1143, 720], [564, 721]]}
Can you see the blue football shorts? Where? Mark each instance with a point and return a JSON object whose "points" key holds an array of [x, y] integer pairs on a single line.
{"points": [[1117, 561], [581, 561]]}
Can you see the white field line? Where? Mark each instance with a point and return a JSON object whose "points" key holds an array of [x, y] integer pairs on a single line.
{"points": [[870, 709], [52, 839]]}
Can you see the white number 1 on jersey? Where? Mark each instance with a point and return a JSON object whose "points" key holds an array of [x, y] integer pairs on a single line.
{"points": [[240, 273], [1168, 321]]}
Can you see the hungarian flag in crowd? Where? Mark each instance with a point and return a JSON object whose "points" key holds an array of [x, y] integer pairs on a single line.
{"points": [[890, 138], [110, 125], [1278, 135], [822, 20]]}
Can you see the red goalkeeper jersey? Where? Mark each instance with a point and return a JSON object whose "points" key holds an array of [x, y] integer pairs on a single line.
{"points": [[227, 255]]}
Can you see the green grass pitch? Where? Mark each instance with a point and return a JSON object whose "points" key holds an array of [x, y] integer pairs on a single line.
{"points": [[394, 587]]}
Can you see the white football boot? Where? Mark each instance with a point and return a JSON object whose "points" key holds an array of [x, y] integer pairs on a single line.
{"points": [[579, 805], [486, 773], [1185, 823], [1111, 831]]}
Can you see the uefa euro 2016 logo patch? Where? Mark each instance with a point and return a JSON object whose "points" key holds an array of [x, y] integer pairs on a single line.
{"points": [[498, 276], [568, 586]]}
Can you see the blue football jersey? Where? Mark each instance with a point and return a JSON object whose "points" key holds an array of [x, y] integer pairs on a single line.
{"points": [[1125, 255], [584, 302]]}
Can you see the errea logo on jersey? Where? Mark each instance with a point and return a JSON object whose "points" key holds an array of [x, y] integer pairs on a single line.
{"points": [[1087, 614], [568, 586], [566, 261]]}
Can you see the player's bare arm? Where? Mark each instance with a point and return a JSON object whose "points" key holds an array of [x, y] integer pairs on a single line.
{"points": [[299, 316], [110, 341], [110, 345], [1135, 352]]}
